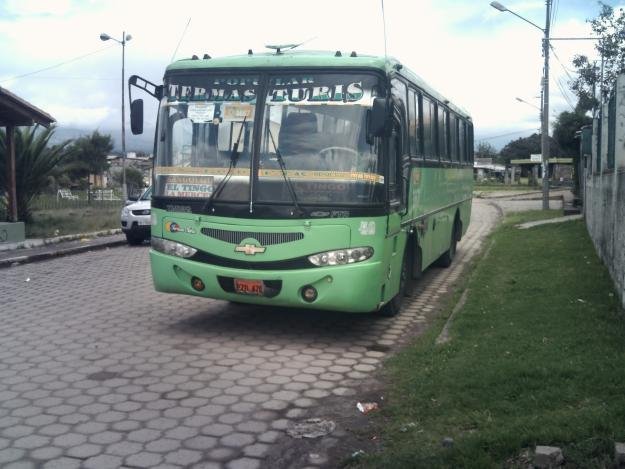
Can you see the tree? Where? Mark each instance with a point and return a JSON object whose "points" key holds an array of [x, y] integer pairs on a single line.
{"points": [[134, 179], [35, 161], [522, 148], [564, 130], [485, 150], [610, 26], [89, 155]]}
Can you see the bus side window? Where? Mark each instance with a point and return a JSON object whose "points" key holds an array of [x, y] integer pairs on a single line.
{"points": [[419, 107], [462, 140], [443, 134], [412, 123], [428, 127], [393, 153], [453, 137], [470, 142], [400, 91]]}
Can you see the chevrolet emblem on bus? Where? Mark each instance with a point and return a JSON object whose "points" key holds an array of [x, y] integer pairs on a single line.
{"points": [[250, 249]]}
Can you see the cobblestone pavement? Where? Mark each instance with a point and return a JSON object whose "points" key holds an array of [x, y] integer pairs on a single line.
{"points": [[99, 371]]}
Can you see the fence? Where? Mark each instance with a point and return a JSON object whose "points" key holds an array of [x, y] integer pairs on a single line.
{"points": [[604, 184], [80, 199]]}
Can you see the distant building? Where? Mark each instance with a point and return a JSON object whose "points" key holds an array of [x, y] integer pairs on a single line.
{"points": [[484, 168], [560, 169], [142, 163]]}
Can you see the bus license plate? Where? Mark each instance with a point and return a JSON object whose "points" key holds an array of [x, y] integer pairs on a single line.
{"points": [[248, 287]]}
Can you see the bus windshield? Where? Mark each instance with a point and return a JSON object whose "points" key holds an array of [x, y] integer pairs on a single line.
{"points": [[312, 137]]}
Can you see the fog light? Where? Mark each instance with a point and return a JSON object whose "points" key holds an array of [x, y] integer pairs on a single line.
{"points": [[197, 284], [309, 293]]}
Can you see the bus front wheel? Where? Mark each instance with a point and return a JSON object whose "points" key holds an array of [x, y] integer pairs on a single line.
{"points": [[393, 307]]}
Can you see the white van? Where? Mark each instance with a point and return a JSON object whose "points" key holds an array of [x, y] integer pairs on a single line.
{"points": [[135, 218]]}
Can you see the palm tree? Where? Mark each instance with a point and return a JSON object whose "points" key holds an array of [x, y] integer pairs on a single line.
{"points": [[35, 160]]}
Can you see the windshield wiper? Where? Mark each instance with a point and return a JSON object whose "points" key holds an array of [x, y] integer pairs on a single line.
{"points": [[289, 184], [234, 158]]}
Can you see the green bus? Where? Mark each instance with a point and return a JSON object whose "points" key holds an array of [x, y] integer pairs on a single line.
{"points": [[304, 179]]}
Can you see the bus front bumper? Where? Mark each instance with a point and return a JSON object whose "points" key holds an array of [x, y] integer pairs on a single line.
{"points": [[350, 288]]}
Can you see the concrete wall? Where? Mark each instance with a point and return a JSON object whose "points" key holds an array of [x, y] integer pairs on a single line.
{"points": [[604, 193]]}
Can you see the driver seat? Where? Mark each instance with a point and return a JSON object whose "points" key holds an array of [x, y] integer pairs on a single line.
{"points": [[298, 134]]}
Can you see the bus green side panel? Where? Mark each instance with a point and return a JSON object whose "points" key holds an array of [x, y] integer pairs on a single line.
{"points": [[394, 246], [431, 189]]}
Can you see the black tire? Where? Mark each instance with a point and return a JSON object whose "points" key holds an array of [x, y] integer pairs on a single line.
{"points": [[448, 256], [393, 307], [134, 240]]}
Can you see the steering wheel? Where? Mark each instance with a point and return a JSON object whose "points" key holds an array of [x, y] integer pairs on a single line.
{"points": [[323, 151]]}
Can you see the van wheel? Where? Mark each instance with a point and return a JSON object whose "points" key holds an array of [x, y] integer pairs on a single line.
{"points": [[133, 240], [393, 307]]}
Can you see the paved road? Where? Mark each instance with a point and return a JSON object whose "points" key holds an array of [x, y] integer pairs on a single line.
{"points": [[97, 370], [513, 201]]}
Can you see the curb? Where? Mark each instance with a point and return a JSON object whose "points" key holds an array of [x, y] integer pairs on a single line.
{"points": [[28, 258], [39, 242]]}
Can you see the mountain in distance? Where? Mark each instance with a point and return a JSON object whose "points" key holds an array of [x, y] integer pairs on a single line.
{"points": [[145, 142], [137, 143]]}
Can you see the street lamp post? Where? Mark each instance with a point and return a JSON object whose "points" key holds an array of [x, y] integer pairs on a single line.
{"points": [[544, 141], [125, 39], [529, 104]]}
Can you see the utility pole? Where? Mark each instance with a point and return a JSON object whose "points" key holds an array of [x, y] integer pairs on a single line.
{"points": [[125, 39], [544, 141], [124, 187]]}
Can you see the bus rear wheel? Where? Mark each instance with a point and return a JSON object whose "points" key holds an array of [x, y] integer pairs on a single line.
{"points": [[393, 307], [448, 256]]}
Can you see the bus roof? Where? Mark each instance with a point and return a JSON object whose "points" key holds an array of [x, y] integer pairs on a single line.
{"points": [[306, 58]]}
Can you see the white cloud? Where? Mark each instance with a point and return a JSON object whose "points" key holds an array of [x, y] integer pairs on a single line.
{"points": [[37, 7], [84, 117], [479, 57]]}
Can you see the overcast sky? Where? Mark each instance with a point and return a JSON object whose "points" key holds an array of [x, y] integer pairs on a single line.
{"points": [[478, 57]]}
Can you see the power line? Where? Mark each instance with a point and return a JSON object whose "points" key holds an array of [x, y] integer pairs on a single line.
{"points": [[564, 95], [70, 78], [558, 82], [560, 62], [506, 134], [56, 65], [554, 11]]}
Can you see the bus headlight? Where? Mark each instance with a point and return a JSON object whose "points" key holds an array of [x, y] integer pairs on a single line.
{"points": [[341, 256], [171, 247]]}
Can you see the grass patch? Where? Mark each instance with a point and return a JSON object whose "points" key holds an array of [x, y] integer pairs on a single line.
{"points": [[47, 223], [516, 218], [536, 357]]}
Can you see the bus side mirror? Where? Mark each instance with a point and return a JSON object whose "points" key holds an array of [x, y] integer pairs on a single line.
{"points": [[377, 120], [136, 116]]}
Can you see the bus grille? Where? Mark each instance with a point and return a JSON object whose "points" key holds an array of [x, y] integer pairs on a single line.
{"points": [[265, 239]]}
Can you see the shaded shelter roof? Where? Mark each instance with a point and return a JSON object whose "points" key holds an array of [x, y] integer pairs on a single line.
{"points": [[15, 111], [551, 161]]}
